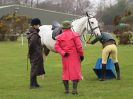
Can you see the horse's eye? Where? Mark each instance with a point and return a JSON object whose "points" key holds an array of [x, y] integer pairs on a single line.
{"points": [[92, 22]]}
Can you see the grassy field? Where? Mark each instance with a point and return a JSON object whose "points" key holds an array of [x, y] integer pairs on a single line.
{"points": [[14, 77]]}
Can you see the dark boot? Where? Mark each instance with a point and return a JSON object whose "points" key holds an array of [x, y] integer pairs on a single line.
{"points": [[75, 84], [117, 70], [36, 83], [66, 85], [33, 82], [103, 72]]}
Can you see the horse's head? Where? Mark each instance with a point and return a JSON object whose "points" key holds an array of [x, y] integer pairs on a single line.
{"points": [[86, 23], [92, 25]]}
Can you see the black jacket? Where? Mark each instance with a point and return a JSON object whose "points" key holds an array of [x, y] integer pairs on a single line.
{"points": [[35, 52], [105, 37]]}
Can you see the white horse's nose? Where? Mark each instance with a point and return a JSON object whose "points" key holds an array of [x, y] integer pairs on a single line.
{"points": [[97, 32]]}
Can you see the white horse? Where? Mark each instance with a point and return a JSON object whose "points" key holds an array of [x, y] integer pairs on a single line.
{"points": [[85, 23]]}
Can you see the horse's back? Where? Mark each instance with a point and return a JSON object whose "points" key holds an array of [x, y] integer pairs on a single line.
{"points": [[45, 32], [44, 29], [46, 36]]}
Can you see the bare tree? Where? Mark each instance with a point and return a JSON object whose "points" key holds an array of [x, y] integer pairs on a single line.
{"points": [[37, 3], [67, 6], [16, 1], [26, 1], [82, 6], [2, 2], [31, 3]]}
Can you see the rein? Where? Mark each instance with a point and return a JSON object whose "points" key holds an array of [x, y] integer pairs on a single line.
{"points": [[81, 36], [91, 29], [87, 28]]}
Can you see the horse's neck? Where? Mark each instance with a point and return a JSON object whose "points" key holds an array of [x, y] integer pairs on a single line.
{"points": [[79, 24]]}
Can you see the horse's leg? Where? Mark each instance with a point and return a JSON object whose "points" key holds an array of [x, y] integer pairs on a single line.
{"points": [[46, 52]]}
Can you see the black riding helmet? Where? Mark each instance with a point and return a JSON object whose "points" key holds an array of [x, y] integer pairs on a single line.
{"points": [[55, 24], [35, 21]]}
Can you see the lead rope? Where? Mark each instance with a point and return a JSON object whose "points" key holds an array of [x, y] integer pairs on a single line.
{"points": [[81, 36]]}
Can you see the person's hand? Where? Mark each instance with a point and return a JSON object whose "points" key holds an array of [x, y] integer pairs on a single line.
{"points": [[66, 54], [37, 30], [88, 42], [81, 58]]}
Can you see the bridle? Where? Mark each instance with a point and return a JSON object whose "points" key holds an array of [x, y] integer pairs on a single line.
{"points": [[91, 28]]}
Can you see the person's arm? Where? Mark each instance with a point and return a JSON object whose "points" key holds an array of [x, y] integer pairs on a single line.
{"points": [[33, 41], [58, 48], [79, 48], [78, 45], [94, 41]]}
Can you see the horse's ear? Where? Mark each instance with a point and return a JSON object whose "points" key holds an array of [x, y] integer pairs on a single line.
{"points": [[87, 14]]}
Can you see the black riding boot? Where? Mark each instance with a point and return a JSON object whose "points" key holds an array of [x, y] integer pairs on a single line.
{"points": [[75, 84], [33, 82], [36, 83], [117, 70], [66, 85], [103, 72]]}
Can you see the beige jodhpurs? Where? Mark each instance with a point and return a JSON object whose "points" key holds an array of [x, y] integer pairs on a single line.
{"points": [[112, 49]]}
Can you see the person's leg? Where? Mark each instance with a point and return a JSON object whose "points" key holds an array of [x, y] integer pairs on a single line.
{"points": [[75, 85], [36, 83], [115, 60], [105, 54], [32, 81], [103, 72], [66, 85], [117, 68]]}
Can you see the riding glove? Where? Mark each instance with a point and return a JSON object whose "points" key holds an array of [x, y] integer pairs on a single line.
{"points": [[81, 58]]}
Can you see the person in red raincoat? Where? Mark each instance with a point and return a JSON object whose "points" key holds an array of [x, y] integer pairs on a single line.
{"points": [[69, 46]]}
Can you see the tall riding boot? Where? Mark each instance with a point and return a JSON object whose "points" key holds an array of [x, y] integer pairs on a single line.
{"points": [[36, 83], [66, 85], [103, 72], [32, 81], [75, 84], [117, 70]]}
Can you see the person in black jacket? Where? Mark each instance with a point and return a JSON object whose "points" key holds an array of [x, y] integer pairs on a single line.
{"points": [[109, 48], [35, 53]]}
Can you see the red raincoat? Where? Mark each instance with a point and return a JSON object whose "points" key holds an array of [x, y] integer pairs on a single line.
{"points": [[69, 42]]}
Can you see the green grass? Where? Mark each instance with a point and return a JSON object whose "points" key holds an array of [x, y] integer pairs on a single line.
{"points": [[14, 78]]}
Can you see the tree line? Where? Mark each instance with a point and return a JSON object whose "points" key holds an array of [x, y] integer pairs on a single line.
{"points": [[105, 11], [67, 6]]}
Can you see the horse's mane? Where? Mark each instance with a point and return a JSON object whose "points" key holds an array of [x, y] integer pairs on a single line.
{"points": [[81, 17], [78, 18]]}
